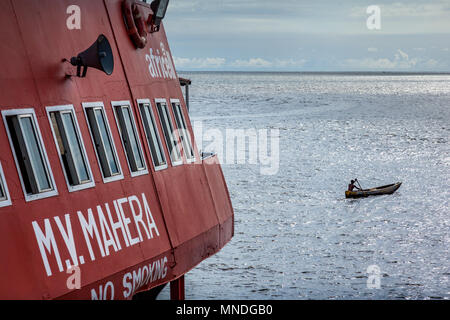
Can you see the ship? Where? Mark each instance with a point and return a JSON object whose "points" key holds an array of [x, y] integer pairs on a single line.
{"points": [[103, 191]]}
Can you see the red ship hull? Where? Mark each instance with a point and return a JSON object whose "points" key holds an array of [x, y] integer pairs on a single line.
{"points": [[126, 235]]}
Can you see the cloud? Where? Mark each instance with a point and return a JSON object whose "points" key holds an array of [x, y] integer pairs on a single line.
{"points": [[369, 63], [400, 62], [265, 34], [236, 17], [238, 64], [289, 63], [198, 63], [439, 8], [401, 54], [252, 62], [431, 64], [276, 64]]}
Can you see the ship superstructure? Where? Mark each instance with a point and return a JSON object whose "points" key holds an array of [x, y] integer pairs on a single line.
{"points": [[100, 175]]}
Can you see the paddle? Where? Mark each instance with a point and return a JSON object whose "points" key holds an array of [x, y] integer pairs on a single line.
{"points": [[358, 183]]}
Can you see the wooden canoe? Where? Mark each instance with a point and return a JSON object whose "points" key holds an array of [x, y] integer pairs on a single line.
{"points": [[387, 189]]}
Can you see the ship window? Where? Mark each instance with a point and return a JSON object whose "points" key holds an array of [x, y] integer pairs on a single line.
{"points": [[103, 142], [130, 139], [71, 148], [151, 131], [169, 135], [4, 194], [29, 153], [182, 130]]}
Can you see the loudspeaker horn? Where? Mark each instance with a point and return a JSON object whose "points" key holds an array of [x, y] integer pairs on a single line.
{"points": [[99, 56]]}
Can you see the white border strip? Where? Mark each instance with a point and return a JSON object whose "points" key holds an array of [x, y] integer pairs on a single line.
{"points": [[163, 100], [188, 160], [115, 104], [6, 202], [147, 101], [30, 197], [70, 107], [100, 104]]}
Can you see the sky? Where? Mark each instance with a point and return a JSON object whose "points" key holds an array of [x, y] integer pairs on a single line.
{"points": [[316, 35]]}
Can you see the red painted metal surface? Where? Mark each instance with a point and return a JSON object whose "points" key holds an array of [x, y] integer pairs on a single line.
{"points": [[189, 203], [177, 289]]}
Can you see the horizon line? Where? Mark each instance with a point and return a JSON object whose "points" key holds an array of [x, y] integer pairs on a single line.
{"points": [[342, 72]]}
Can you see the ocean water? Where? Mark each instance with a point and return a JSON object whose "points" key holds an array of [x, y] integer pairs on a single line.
{"points": [[296, 236]]}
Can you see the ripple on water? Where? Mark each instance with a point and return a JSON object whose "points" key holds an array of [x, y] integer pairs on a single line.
{"points": [[296, 236]]}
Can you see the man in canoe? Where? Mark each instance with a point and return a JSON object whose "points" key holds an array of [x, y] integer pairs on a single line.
{"points": [[352, 186]]}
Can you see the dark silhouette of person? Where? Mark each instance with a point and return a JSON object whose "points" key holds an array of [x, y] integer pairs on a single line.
{"points": [[352, 186]]}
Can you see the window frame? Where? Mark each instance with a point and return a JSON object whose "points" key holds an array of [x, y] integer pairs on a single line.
{"points": [[164, 101], [100, 105], [6, 201], [140, 103], [126, 103], [71, 109], [191, 145], [37, 131]]}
